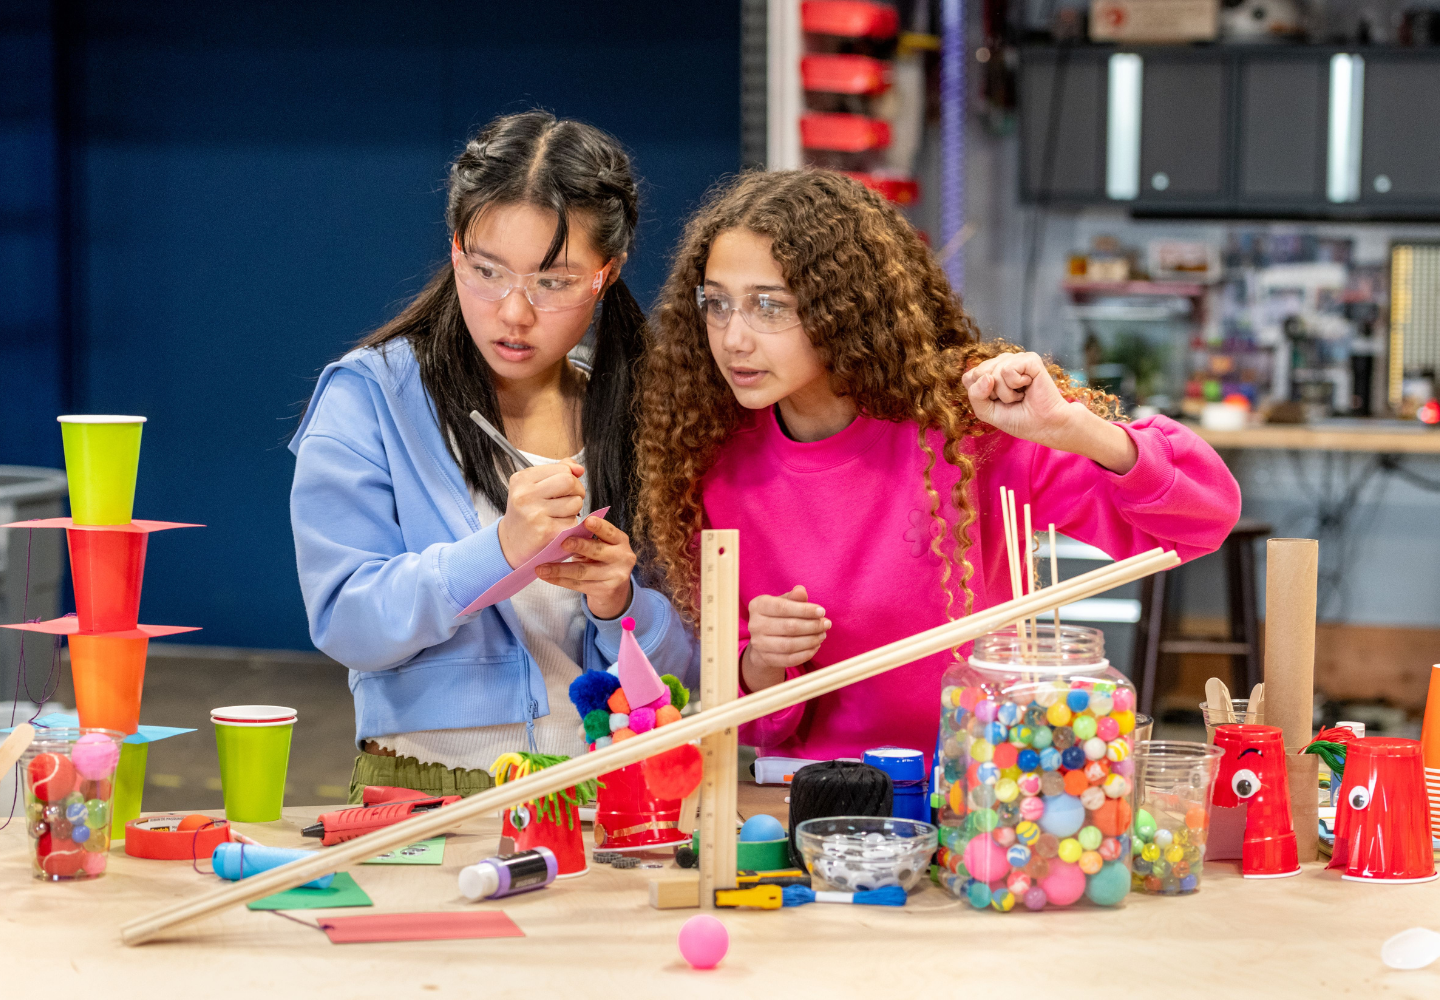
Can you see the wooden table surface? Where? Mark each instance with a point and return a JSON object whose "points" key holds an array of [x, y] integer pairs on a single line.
{"points": [[1388, 437], [596, 938]]}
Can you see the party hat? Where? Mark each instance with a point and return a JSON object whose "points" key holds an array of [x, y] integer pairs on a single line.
{"points": [[1430, 749], [641, 684]]}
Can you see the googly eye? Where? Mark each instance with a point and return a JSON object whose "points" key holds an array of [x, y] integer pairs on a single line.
{"points": [[1245, 783], [520, 817], [1359, 797]]}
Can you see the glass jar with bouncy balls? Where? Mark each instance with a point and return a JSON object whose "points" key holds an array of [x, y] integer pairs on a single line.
{"points": [[69, 780], [1037, 789]]}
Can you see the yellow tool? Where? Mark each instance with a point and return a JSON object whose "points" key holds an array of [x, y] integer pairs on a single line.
{"points": [[762, 897]]}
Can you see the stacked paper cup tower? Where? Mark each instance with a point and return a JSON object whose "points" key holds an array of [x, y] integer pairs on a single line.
{"points": [[1430, 749], [108, 645]]}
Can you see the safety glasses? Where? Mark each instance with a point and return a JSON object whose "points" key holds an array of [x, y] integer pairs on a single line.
{"points": [[763, 311], [547, 291]]}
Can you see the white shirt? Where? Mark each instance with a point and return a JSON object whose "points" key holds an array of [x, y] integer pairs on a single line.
{"points": [[553, 621]]}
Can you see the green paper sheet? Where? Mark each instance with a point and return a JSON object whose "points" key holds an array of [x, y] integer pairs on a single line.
{"points": [[342, 892], [426, 852]]}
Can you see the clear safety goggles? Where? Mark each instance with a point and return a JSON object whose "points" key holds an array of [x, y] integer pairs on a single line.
{"points": [[547, 291], [763, 312]]}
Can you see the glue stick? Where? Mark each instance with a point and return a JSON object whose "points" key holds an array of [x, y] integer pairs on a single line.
{"points": [[509, 874]]}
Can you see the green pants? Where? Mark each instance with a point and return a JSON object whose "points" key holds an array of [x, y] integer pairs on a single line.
{"points": [[408, 772]]}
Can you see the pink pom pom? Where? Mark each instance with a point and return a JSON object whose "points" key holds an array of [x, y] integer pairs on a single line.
{"points": [[94, 756], [659, 702], [628, 624], [642, 720]]}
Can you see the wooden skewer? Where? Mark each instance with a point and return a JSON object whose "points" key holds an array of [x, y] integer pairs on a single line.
{"points": [[1054, 579], [708, 720], [1030, 569], [1012, 555]]}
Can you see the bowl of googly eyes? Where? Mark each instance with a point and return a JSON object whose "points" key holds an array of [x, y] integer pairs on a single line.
{"points": [[860, 853]]}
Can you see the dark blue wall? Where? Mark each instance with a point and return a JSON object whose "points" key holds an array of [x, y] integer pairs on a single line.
{"points": [[257, 185]]}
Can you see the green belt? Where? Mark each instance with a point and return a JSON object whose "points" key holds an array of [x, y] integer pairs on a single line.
{"points": [[408, 772]]}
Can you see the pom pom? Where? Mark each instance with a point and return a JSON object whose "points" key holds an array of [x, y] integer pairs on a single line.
{"points": [[621, 734], [628, 624], [679, 694], [675, 773], [95, 756], [618, 721], [591, 690], [603, 742], [597, 724], [642, 720], [52, 776], [658, 703], [667, 715], [618, 703]]}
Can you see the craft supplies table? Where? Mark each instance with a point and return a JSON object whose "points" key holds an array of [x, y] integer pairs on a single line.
{"points": [[1379, 437], [597, 935]]}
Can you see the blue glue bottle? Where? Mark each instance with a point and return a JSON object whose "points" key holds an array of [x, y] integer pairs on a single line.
{"points": [[509, 874], [237, 861]]}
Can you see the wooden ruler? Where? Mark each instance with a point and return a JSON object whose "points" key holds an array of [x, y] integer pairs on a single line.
{"points": [[719, 683]]}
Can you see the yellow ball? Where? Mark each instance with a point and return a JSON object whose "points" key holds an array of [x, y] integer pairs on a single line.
{"points": [[1070, 850], [1125, 720], [1174, 853], [1058, 714], [957, 798], [1006, 790], [1117, 750], [981, 751], [1091, 862], [1012, 772], [1150, 852]]}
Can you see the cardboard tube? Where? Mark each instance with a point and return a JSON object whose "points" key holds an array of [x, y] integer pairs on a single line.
{"points": [[1291, 565], [1303, 773]]}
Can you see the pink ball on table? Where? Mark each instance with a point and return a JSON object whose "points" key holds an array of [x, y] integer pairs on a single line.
{"points": [[985, 859], [95, 756], [704, 941], [1065, 883]]}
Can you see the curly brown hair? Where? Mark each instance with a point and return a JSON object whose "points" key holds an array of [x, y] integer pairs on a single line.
{"points": [[882, 317]]}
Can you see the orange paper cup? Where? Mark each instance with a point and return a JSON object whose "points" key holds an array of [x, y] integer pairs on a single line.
{"points": [[109, 674]]}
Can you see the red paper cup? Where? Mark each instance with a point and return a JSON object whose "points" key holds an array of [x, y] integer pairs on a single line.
{"points": [[558, 832], [1252, 774], [108, 568], [628, 817], [1382, 823], [109, 675]]}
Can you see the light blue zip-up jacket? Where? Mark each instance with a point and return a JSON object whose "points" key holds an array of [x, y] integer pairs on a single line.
{"points": [[390, 550]]}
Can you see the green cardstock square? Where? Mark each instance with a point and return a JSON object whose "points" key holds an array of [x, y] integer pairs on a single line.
{"points": [[342, 892], [426, 852]]}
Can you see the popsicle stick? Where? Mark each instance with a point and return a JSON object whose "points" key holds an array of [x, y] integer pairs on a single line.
{"points": [[1255, 707], [1054, 579], [1217, 696], [15, 744], [703, 723]]}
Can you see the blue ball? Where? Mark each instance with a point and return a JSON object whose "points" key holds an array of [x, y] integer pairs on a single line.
{"points": [[80, 833], [996, 733], [988, 774], [1018, 856], [1188, 883], [1077, 700], [1063, 816], [75, 812], [1009, 713], [762, 826], [1050, 759], [978, 894], [1073, 758], [1028, 760], [1109, 885]]}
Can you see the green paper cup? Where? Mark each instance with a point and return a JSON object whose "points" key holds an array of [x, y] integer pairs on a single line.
{"points": [[102, 456], [129, 787], [254, 746]]}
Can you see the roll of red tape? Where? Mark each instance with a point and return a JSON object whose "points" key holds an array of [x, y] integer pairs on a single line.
{"points": [[159, 838]]}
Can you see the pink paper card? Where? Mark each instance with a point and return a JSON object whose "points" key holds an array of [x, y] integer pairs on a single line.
{"points": [[70, 625], [445, 926], [523, 575], [134, 527]]}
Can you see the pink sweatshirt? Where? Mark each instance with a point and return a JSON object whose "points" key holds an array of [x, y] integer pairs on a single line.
{"points": [[848, 518]]}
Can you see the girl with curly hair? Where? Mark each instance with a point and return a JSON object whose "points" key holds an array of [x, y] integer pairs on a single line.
{"points": [[811, 379]]}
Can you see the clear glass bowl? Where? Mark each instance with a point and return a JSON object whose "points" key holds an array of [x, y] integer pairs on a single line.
{"points": [[858, 853]]}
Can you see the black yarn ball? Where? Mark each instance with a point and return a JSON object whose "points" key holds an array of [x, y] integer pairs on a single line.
{"points": [[685, 857], [836, 788]]}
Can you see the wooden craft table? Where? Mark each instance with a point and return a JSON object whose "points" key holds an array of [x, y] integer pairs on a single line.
{"points": [[596, 936], [1384, 437]]}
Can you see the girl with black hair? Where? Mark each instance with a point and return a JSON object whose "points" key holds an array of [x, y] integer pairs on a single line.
{"points": [[404, 511]]}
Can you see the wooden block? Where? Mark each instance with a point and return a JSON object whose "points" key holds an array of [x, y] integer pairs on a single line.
{"points": [[675, 893], [1303, 774]]}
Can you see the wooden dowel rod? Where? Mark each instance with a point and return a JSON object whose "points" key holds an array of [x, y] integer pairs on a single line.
{"points": [[697, 726], [1054, 579]]}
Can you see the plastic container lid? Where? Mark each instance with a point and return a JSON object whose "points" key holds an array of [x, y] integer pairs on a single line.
{"points": [[899, 763], [479, 881], [99, 418], [253, 715]]}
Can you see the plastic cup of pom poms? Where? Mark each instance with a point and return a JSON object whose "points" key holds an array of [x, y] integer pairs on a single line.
{"points": [[1036, 789], [69, 781], [1173, 784], [860, 853]]}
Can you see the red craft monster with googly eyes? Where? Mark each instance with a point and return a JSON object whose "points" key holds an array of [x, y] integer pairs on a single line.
{"points": [[1382, 825], [1252, 774]]}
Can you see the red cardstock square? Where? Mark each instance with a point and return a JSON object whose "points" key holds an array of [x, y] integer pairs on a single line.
{"points": [[443, 926]]}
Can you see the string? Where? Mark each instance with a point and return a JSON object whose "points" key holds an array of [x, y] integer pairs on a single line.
{"points": [[20, 673], [195, 849], [303, 923]]}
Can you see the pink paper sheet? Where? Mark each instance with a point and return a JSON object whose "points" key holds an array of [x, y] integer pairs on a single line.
{"points": [[136, 526], [521, 576], [419, 926], [70, 625]]}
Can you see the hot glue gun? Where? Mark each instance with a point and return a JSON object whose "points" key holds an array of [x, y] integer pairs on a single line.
{"points": [[347, 824]]}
